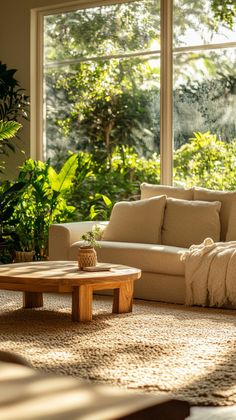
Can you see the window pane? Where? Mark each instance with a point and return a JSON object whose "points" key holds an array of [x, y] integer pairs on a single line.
{"points": [[194, 24], [97, 105], [205, 102], [102, 80], [103, 30]]}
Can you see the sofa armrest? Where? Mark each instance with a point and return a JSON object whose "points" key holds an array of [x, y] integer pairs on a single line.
{"points": [[62, 236]]}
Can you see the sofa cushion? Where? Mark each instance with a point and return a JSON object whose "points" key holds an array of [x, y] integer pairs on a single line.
{"points": [[190, 222], [152, 190], [136, 221], [151, 258], [227, 212]]}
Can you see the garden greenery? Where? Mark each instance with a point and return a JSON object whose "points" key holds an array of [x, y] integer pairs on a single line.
{"points": [[85, 190], [204, 161]]}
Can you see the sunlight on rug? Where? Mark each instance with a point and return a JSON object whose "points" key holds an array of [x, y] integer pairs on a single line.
{"points": [[188, 352]]}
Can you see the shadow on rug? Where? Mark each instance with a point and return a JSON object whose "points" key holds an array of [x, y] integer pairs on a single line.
{"points": [[188, 352]]}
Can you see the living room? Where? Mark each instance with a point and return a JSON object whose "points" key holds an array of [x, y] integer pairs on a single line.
{"points": [[127, 125]]}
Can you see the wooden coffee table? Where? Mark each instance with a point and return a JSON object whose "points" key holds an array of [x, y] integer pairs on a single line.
{"points": [[34, 278]]}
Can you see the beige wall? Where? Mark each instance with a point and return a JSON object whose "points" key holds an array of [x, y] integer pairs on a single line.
{"points": [[15, 53]]}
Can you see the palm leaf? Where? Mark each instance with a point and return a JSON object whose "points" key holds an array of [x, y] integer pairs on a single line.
{"points": [[8, 129]]}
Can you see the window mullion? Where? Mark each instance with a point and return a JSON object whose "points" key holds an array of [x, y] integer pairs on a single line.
{"points": [[166, 93]]}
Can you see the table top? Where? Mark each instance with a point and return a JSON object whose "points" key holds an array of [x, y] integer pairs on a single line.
{"points": [[28, 394], [64, 272]]}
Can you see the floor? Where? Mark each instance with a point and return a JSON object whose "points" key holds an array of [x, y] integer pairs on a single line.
{"points": [[213, 413]]}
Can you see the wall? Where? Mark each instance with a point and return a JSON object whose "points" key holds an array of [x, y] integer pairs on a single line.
{"points": [[15, 53]]}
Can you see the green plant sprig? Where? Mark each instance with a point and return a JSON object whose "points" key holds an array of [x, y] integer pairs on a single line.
{"points": [[91, 237]]}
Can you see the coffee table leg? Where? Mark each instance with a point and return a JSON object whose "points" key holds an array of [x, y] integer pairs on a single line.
{"points": [[123, 298], [82, 303], [32, 299]]}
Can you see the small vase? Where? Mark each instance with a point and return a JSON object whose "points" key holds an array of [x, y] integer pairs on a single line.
{"points": [[24, 256], [87, 257]]}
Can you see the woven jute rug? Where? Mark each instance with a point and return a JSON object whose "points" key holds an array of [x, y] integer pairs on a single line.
{"points": [[189, 352]]}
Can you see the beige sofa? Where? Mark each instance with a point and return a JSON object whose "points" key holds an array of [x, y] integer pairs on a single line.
{"points": [[152, 233]]}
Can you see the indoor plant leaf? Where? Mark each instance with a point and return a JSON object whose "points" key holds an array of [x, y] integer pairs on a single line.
{"points": [[63, 180], [8, 129]]}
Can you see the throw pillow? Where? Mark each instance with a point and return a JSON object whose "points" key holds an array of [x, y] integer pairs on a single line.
{"points": [[152, 190], [227, 211], [136, 221], [190, 222]]}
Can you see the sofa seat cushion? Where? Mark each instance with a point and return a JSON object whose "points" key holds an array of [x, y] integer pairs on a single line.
{"points": [[152, 258]]}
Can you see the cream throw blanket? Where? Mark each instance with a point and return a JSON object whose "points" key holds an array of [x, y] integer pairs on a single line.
{"points": [[210, 273]]}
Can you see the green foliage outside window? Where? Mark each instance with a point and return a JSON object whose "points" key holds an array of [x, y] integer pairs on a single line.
{"points": [[224, 10], [101, 185], [206, 161], [95, 103]]}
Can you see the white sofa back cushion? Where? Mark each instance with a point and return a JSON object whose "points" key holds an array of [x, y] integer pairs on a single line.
{"points": [[190, 222], [136, 221], [152, 190], [227, 212]]}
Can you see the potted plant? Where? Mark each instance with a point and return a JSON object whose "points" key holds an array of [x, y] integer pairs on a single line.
{"points": [[25, 248], [44, 201], [87, 255], [31, 204]]}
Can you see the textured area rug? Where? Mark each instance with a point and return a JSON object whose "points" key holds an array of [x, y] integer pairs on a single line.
{"points": [[188, 352]]}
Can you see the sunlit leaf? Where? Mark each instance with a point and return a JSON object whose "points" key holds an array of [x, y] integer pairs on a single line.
{"points": [[63, 181], [106, 200], [8, 129]]}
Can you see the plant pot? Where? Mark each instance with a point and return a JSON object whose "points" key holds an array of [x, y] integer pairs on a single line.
{"points": [[24, 256], [87, 257]]}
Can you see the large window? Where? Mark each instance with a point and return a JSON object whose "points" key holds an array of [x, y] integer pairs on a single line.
{"points": [[103, 86]]}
